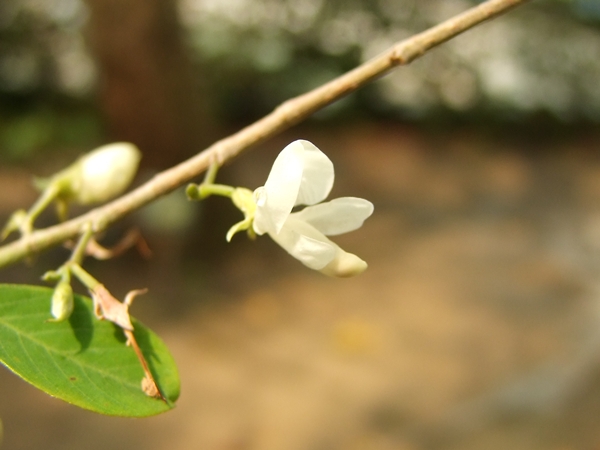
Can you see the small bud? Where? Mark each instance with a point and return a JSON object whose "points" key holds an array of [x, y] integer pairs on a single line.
{"points": [[52, 276], [101, 174], [193, 192], [62, 302]]}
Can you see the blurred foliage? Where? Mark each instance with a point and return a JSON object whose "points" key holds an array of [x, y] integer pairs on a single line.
{"points": [[45, 129], [539, 59], [254, 54], [46, 78]]}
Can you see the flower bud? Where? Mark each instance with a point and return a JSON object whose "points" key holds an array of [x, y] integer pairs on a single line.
{"points": [[52, 276], [101, 174], [62, 301]]}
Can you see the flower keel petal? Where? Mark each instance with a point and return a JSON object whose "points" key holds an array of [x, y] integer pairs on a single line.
{"points": [[305, 244], [344, 265]]}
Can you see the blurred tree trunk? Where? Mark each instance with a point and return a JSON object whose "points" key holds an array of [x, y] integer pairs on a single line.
{"points": [[148, 89]]}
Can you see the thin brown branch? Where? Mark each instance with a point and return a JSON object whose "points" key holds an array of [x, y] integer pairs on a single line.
{"points": [[286, 115]]}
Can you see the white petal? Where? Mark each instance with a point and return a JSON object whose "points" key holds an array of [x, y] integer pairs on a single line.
{"points": [[275, 200], [317, 174], [338, 216], [344, 265], [306, 244]]}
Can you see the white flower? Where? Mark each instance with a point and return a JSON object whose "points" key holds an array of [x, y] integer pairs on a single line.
{"points": [[303, 175]]}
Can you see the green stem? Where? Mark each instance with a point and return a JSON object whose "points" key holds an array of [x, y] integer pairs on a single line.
{"points": [[42, 202], [82, 275], [206, 190], [79, 251], [208, 186], [211, 174], [65, 274]]}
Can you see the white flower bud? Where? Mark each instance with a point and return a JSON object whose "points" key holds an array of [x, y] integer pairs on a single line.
{"points": [[62, 302], [101, 174]]}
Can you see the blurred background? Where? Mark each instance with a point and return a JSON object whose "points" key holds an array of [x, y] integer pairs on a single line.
{"points": [[477, 324]]}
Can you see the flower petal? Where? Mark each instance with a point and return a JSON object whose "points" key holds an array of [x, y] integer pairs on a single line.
{"points": [[344, 265], [317, 174], [275, 200], [305, 243], [338, 216]]}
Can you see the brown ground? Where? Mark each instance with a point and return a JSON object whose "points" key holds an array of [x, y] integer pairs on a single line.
{"points": [[475, 327]]}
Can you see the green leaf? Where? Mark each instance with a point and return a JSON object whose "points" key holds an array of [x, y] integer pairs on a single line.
{"points": [[83, 360]]}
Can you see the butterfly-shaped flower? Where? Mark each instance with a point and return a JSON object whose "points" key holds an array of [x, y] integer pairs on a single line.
{"points": [[303, 175]]}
